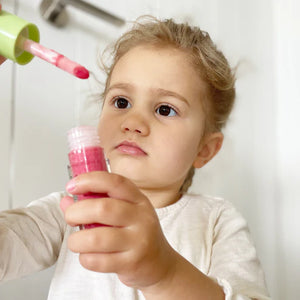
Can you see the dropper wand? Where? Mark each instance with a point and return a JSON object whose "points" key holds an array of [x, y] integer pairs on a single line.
{"points": [[54, 58], [19, 41]]}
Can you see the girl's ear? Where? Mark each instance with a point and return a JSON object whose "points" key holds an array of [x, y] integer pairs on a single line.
{"points": [[209, 147]]}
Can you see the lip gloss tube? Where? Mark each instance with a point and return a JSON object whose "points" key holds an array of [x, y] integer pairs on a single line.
{"points": [[86, 155]]}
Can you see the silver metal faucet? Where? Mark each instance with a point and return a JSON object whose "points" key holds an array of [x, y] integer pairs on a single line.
{"points": [[54, 11]]}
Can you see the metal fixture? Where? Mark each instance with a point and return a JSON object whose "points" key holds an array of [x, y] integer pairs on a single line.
{"points": [[54, 11]]}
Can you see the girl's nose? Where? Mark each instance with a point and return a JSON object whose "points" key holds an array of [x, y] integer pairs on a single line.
{"points": [[135, 124]]}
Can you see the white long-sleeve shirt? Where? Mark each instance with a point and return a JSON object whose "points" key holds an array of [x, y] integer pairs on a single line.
{"points": [[208, 232]]}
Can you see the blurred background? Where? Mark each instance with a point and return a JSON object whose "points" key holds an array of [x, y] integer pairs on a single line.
{"points": [[258, 167]]}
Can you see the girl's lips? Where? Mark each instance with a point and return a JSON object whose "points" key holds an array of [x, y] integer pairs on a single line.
{"points": [[130, 148]]}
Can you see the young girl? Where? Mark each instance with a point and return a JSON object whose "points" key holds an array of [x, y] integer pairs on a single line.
{"points": [[168, 94]]}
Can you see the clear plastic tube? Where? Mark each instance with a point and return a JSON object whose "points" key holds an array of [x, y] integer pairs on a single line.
{"points": [[54, 58]]}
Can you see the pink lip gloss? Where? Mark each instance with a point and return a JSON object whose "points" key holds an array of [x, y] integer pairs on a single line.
{"points": [[86, 155], [54, 58]]}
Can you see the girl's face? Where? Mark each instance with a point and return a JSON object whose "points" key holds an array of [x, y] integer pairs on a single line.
{"points": [[152, 119]]}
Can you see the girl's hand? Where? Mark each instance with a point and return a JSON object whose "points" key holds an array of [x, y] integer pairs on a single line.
{"points": [[132, 244], [2, 59]]}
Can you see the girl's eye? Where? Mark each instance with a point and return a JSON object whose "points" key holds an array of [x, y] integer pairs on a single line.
{"points": [[121, 103], [165, 110]]}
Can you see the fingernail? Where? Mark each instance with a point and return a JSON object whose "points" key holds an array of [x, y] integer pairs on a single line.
{"points": [[71, 186], [65, 202]]}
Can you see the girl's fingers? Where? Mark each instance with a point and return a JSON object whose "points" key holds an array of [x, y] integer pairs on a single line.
{"points": [[100, 240], [114, 185], [108, 211], [104, 262]]}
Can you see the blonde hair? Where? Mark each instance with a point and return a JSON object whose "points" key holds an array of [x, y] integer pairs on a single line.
{"points": [[211, 65]]}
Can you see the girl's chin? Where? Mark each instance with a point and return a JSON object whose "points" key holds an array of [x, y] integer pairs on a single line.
{"points": [[126, 165], [129, 171]]}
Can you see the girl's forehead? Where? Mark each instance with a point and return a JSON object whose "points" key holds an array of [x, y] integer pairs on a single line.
{"points": [[165, 65], [155, 51]]}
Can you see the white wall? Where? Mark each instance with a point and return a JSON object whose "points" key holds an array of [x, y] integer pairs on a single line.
{"points": [[258, 167], [288, 161]]}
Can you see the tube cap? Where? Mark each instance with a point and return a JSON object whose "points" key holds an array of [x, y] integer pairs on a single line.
{"points": [[12, 28], [82, 137]]}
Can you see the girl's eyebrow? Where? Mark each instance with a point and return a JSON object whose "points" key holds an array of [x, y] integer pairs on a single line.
{"points": [[163, 92], [158, 91], [122, 86]]}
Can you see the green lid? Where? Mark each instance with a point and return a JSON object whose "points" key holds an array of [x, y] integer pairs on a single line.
{"points": [[12, 28]]}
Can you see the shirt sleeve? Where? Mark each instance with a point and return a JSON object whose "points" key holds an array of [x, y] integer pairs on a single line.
{"points": [[31, 237], [234, 261]]}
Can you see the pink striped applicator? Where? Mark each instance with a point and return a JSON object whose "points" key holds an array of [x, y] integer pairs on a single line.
{"points": [[54, 58]]}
